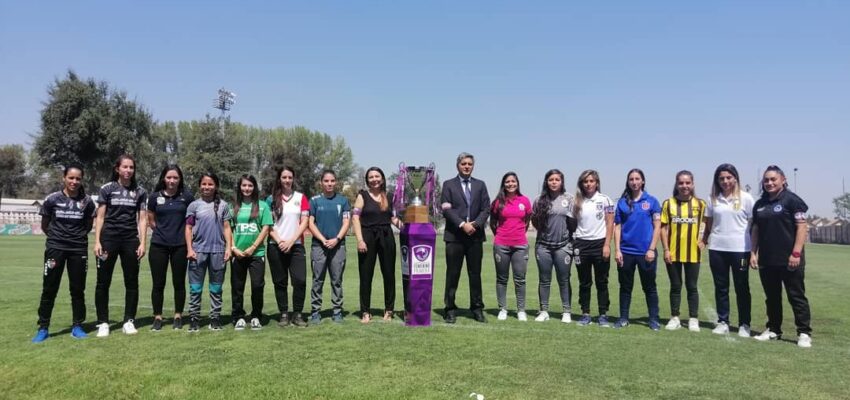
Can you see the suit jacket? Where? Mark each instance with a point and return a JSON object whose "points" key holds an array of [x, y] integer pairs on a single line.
{"points": [[453, 204]]}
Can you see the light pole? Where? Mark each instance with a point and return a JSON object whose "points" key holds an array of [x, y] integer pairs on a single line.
{"points": [[795, 179], [224, 101]]}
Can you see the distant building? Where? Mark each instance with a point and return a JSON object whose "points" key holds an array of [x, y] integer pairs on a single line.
{"points": [[829, 230]]}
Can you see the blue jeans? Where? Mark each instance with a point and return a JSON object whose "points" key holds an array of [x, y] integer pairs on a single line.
{"points": [[646, 270]]}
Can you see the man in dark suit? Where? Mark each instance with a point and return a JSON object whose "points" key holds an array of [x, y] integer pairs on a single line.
{"points": [[466, 206]]}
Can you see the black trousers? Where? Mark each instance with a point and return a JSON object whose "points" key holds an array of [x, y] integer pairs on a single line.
{"points": [[380, 246], [472, 251], [691, 272], [721, 262], [54, 265], [282, 266], [590, 264], [772, 279], [159, 256], [130, 266], [239, 271]]}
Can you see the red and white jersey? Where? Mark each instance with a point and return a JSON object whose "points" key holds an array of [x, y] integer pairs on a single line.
{"points": [[294, 208]]}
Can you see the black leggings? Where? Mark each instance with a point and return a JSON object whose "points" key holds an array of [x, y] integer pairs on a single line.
{"points": [[380, 245], [691, 273], [54, 265], [240, 268], [126, 249], [282, 265], [159, 257]]}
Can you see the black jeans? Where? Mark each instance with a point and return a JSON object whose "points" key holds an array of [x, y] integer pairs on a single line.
{"points": [[130, 266], [54, 265], [721, 262], [240, 268], [380, 246], [646, 270], [772, 279], [159, 256], [283, 265], [691, 271], [473, 251]]}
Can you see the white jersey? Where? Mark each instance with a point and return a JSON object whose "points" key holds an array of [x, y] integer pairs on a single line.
{"points": [[731, 218], [290, 218], [591, 225]]}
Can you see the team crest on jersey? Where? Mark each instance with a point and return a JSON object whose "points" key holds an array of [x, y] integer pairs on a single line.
{"points": [[778, 208], [599, 206], [133, 193], [564, 203], [160, 200], [522, 207], [645, 205]]}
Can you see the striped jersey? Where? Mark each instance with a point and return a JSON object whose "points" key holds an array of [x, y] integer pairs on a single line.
{"points": [[683, 219]]}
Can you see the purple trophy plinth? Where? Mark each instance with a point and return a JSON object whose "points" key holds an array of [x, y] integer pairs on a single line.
{"points": [[418, 242]]}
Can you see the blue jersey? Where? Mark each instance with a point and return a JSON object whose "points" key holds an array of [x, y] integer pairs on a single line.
{"points": [[328, 213], [636, 223]]}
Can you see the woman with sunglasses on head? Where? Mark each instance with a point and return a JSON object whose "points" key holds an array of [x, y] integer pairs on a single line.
{"points": [[510, 214], [778, 238], [167, 218], [728, 216]]}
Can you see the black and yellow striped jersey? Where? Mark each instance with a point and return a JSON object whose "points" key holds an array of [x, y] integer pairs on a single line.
{"points": [[683, 219]]}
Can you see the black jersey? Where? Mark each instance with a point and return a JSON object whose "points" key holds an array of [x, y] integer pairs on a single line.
{"points": [[122, 207], [170, 215], [70, 221], [777, 227]]}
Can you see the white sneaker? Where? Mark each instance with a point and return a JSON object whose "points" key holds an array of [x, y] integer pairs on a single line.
{"points": [[103, 330], [542, 316], [503, 315], [722, 328], [255, 324], [522, 316], [804, 340], [129, 328], [673, 324], [566, 318], [766, 335], [744, 331], [693, 325], [240, 324]]}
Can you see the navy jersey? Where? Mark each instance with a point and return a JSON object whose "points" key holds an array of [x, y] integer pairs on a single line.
{"points": [[122, 207], [170, 213], [70, 221], [777, 227]]}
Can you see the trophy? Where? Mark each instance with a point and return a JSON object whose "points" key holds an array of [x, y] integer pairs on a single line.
{"points": [[417, 178]]}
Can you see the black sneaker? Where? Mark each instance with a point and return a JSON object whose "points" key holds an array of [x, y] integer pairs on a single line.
{"points": [[284, 320], [177, 324], [194, 325], [298, 320], [157, 324], [215, 324]]}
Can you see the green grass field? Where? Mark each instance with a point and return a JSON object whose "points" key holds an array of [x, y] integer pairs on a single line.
{"points": [[501, 359]]}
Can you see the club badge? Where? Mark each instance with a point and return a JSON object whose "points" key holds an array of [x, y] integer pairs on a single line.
{"points": [[645, 205], [160, 200], [778, 208]]}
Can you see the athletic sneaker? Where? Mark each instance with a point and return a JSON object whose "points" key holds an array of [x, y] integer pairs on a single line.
{"points": [[102, 329], [542, 316], [673, 324], [522, 316], [603, 321], [722, 328], [194, 325], [215, 324], [255, 324], [315, 318], [654, 325], [40, 335], [693, 325], [585, 320], [157, 325], [77, 332], [298, 320], [177, 323], [621, 323], [240, 324], [804, 340], [503, 315], [566, 318], [284, 320], [337, 318], [129, 328], [766, 335], [744, 331]]}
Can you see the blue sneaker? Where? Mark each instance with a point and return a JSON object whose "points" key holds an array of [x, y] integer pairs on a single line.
{"points": [[621, 323], [40, 336], [603, 321], [585, 320], [654, 325], [338, 317], [315, 318], [77, 332]]}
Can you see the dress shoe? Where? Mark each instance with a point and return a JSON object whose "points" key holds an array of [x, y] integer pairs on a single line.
{"points": [[478, 315], [450, 317]]}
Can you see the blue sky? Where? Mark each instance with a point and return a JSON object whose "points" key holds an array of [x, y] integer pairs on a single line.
{"points": [[526, 87]]}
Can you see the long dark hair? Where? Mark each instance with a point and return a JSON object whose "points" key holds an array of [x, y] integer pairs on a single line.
{"points": [[716, 190], [498, 204], [277, 190], [117, 164], [82, 190], [627, 193], [384, 202], [240, 198], [679, 174], [216, 194], [540, 212], [773, 168], [580, 194], [160, 184]]}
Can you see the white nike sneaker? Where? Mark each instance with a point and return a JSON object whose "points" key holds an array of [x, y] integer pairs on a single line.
{"points": [[766, 336], [542, 316], [103, 330], [129, 328], [673, 324], [804, 341]]}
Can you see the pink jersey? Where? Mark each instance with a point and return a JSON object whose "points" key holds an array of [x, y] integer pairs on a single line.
{"points": [[512, 227]]}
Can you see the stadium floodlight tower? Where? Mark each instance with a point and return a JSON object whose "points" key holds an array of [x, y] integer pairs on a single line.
{"points": [[224, 101]]}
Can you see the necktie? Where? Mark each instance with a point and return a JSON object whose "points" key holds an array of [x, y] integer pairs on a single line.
{"points": [[468, 194]]}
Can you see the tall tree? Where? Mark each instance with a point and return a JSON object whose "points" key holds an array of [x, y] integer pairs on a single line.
{"points": [[842, 206], [214, 145], [87, 122], [12, 168]]}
